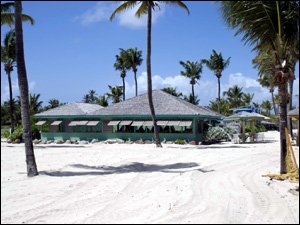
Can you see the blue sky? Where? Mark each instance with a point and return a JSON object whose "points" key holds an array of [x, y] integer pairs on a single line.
{"points": [[71, 49]]}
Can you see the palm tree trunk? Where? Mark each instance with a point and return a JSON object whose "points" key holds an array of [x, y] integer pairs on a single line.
{"points": [[290, 105], [123, 79], [273, 102], [282, 90], [23, 86], [10, 102], [219, 91], [136, 85], [193, 93], [149, 79]]}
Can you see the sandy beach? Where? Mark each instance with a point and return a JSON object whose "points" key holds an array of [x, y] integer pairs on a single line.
{"points": [[131, 183]]}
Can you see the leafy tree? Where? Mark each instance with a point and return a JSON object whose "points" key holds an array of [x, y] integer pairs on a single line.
{"points": [[146, 7], [35, 104], [217, 64], [192, 70]]}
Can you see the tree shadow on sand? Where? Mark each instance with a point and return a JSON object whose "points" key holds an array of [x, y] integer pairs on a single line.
{"points": [[134, 167]]}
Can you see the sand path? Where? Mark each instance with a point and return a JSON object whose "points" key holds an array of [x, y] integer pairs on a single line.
{"points": [[141, 184]]}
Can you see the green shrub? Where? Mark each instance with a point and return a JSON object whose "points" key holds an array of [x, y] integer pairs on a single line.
{"points": [[6, 133], [215, 134], [17, 134], [180, 142], [260, 128]]}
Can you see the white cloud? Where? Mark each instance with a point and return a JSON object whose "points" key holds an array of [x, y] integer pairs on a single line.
{"points": [[15, 89], [100, 12], [103, 10], [207, 89]]}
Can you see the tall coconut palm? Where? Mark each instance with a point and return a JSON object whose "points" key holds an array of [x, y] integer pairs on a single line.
{"points": [[192, 70], [8, 58], [7, 14], [172, 91], [134, 60], [234, 96], [23, 87], [146, 7], [269, 26], [217, 64], [247, 98], [115, 93], [122, 65]]}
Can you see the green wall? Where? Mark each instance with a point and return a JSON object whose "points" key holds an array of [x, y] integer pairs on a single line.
{"points": [[124, 136]]}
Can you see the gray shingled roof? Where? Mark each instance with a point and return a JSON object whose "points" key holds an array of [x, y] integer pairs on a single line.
{"points": [[71, 109], [294, 112], [164, 104]]}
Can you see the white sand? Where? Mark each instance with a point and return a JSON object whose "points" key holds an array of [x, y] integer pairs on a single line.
{"points": [[122, 183]]}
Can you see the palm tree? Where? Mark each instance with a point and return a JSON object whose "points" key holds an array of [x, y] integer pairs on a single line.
{"points": [[266, 105], [91, 97], [270, 26], [217, 64], [8, 58], [7, 16], [247, 98], [23, 87], [35, 105], [172, 91], [146, 7], [115, 93], [53, 103], [256, 105], [123, 65], [134, 60], [224, 106], [266, 81], [192, 71], [102, 100], [192, 99], [234, 96]]}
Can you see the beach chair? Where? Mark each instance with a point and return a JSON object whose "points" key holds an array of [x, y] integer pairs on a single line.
{"points": [[259, 137], [235, 139]]}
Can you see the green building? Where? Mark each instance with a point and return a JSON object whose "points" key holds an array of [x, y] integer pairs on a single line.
{"points": [[131, 119]]}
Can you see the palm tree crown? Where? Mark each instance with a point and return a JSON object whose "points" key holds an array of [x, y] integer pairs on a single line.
{"points": [[7, 16]]}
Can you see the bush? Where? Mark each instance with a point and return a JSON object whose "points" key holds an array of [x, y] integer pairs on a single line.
{"points": [[17, 134], [230, 131], [180, 142], [215, 135], [6, 133]]}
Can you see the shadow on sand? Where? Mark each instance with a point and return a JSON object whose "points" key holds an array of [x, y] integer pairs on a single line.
{"points": [[134, 167]]}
